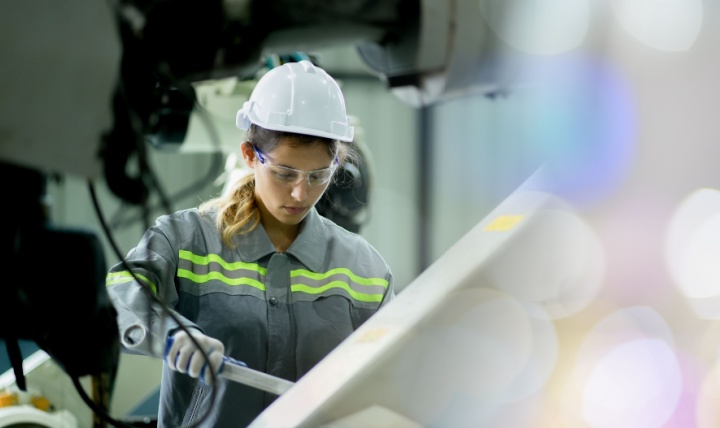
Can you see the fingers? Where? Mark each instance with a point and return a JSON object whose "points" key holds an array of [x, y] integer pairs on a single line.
{"points": [[196, 364], [215, 356], [172, 353], [184, 356], [216, 361]]}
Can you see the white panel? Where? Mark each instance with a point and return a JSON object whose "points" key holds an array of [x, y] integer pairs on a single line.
{"points": [[59, 68], [449, 351]]}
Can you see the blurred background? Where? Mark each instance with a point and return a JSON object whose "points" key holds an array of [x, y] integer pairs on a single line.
{"points": [[616, 101]]}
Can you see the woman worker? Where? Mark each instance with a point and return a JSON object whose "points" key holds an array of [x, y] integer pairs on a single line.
{"points": [[255, 274]]}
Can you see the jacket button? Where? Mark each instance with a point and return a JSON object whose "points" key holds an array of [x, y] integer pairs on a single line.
{"points": [[273, 301]]}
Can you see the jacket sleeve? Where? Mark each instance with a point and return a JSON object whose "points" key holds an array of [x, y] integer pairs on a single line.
{"points": [[142, 289], [390, 292]]}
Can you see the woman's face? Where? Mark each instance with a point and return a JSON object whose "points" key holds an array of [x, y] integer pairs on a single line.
{"points": [[280, 201]]}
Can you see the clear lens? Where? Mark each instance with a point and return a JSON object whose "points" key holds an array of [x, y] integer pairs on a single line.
{"points": [[291, 177]]}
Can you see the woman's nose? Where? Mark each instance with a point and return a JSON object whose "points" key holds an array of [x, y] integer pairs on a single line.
{"points": [[299, 189]]}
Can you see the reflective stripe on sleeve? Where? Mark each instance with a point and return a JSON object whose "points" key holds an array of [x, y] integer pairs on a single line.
{"points": [[126, 276]]}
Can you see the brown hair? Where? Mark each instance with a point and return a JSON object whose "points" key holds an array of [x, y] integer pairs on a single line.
{"points": [[237, 212]]}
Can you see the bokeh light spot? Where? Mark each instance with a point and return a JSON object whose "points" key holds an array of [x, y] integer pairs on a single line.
{"points": [[636, 385], [692, 251], [539, 27], [557, 261], [666, 25], [578, 116]]}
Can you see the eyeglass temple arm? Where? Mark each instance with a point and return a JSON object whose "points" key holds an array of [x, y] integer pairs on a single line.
{"points": [[259, 154]]}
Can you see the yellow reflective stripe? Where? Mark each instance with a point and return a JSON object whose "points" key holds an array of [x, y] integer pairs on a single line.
{"points": [[200, 279], [363, 297], [125, 276], [205, 260], [356, 279]]}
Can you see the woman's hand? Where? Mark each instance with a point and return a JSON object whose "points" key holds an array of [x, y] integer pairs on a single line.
{"points": [[183, 355]]}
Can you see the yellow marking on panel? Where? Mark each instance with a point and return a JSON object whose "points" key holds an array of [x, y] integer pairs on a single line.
{"points": [[504, 223], [372, 335]]}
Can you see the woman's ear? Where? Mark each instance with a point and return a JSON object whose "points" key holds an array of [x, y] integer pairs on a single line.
{"points": [[248, 154]]}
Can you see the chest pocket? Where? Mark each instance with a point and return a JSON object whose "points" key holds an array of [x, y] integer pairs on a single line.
{"points": [[307, 286]]}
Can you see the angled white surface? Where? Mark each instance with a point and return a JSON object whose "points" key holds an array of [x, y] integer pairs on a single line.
{"points": [[448, 343]]}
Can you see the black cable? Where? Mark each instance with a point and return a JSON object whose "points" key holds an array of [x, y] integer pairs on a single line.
{"points": [[16, 360], [152, 297], [134, 125], [100, 412]]}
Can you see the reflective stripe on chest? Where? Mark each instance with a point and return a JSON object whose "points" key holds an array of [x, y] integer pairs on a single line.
{"points": [[201, 269], [338, 281], [305, 285]]}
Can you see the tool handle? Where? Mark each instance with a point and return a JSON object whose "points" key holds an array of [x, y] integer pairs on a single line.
{"points": [[230, 360], [238, 371], [226, 359]]}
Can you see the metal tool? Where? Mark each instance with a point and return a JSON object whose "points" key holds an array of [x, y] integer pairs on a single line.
{"points": [[238, 371]]}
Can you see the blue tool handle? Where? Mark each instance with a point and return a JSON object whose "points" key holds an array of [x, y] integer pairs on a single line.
{"points": [[225, 359], [230, 360]]}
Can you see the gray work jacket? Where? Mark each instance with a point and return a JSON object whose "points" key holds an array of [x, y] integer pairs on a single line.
{"points": [[280, 313]]}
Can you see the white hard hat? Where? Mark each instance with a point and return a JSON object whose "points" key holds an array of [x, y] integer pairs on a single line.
{"points": [[297, 97]]}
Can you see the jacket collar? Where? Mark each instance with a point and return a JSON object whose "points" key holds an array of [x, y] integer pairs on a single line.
{"points": [[309, 247]]}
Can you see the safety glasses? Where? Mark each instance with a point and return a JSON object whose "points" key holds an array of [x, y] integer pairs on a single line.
{"points": [[292, 177]]}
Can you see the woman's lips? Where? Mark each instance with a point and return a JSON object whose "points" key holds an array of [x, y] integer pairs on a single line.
{"points": [[295, 210]]}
